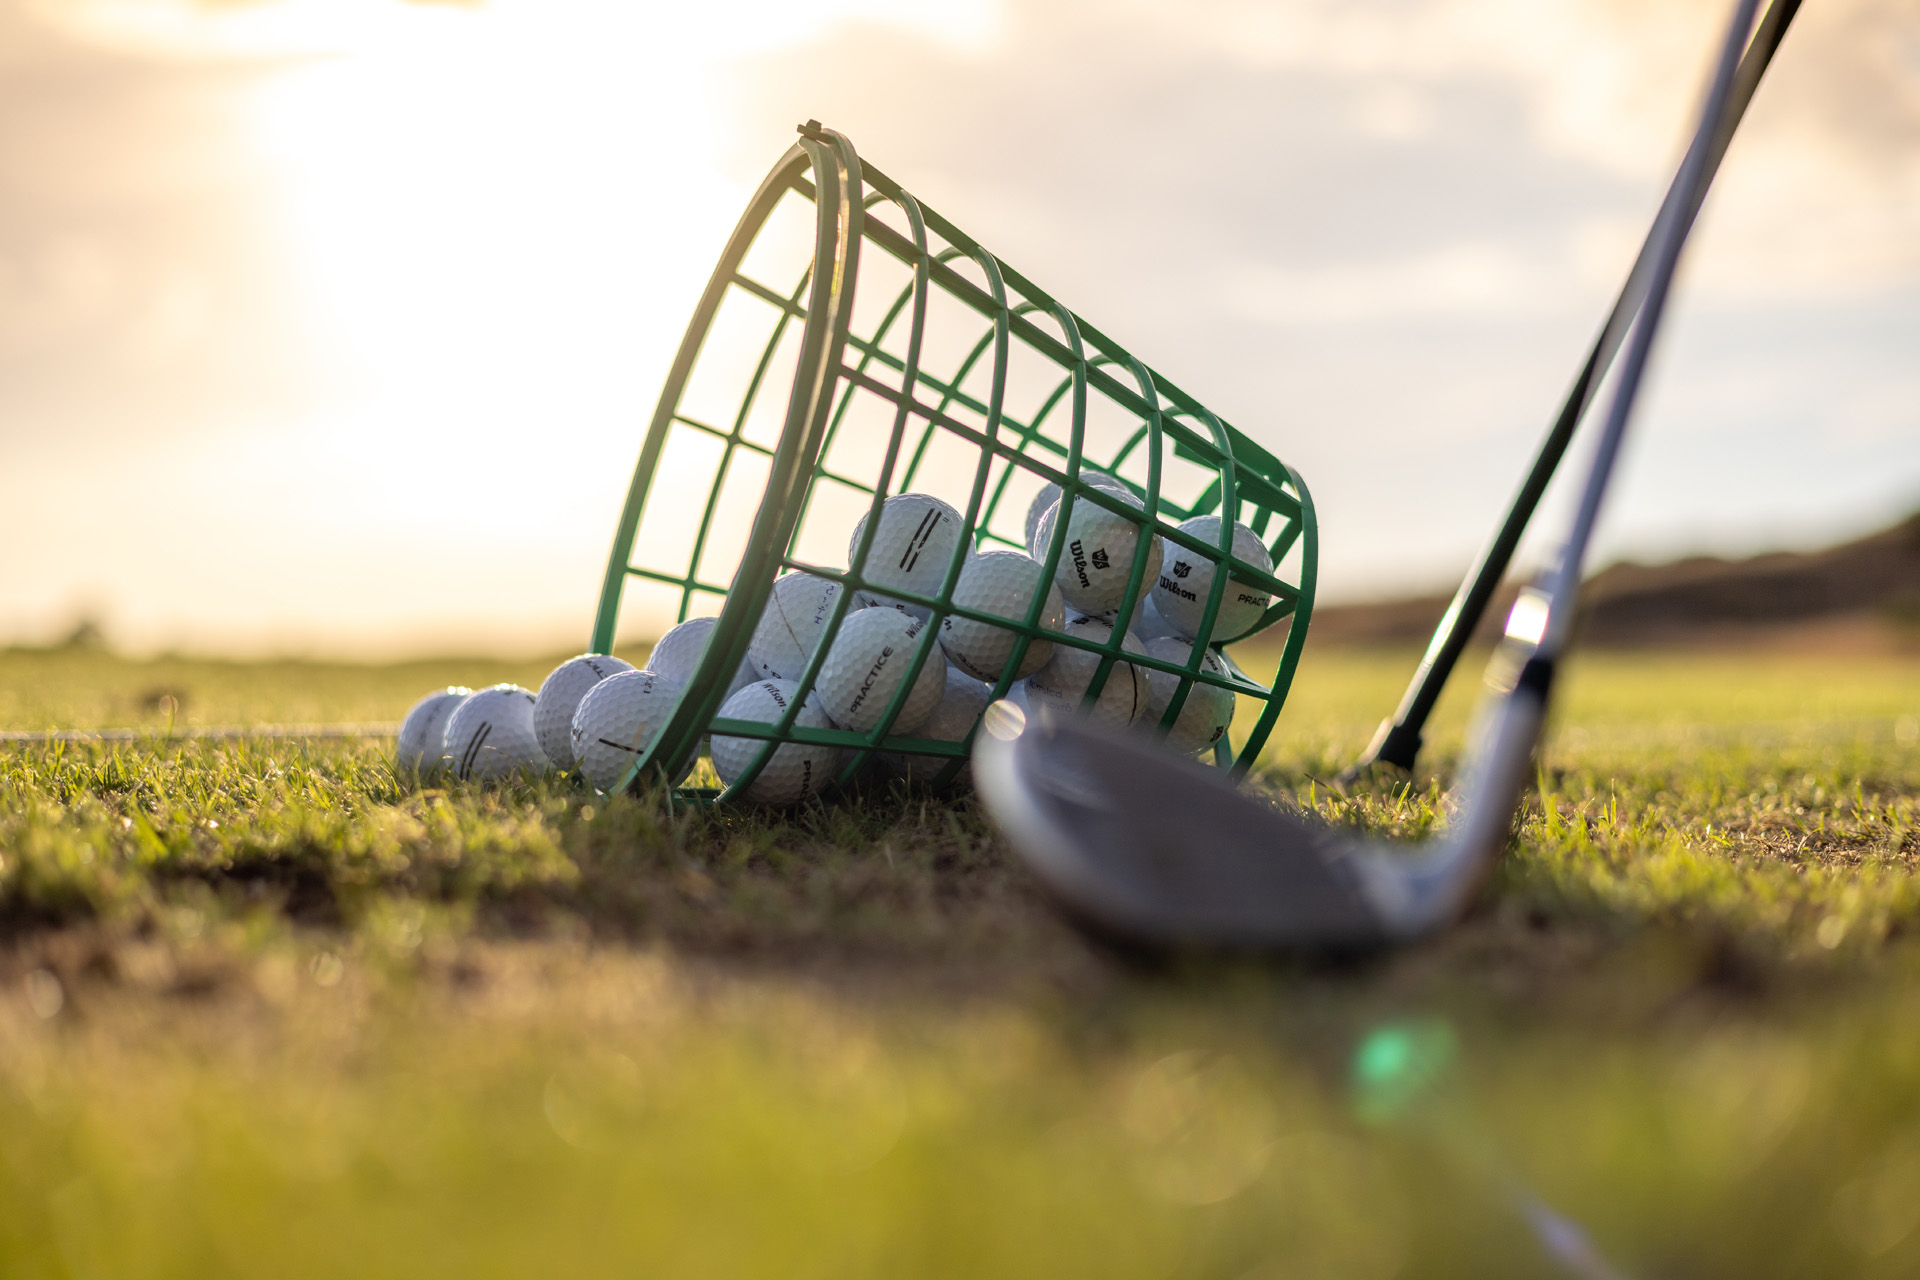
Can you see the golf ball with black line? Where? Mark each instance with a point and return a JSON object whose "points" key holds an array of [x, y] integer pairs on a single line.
{"points": [[617, 720], [490, 735], [559, 698], [913, 544]]}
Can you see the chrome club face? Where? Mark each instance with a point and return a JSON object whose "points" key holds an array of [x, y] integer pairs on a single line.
{"points": [[1140, 845]]}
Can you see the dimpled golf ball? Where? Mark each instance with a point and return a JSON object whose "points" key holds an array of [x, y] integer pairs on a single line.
{"points": [[792, 624], [676, 655], [912, 546], [1148, 625], [1145, 624], [796, 770], [867, 664], [617, 720], [1050, 494], [1180, 592], [1002, 583], [960, 706], [1208, 710], [490, 735], [423, 734], [559, 698], [1098, 555], [1058, 687]]}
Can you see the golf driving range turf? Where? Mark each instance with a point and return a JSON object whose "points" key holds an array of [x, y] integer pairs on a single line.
{"points": [[267, 1010]]}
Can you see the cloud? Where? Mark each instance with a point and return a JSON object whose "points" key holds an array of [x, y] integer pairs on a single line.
{"points": [[291, 290]]}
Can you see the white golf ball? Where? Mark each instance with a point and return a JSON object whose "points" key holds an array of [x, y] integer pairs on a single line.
{"points": [[1004, 584], [1208, 710], [792, 624], [559, 698], [490, 735], [1050, 494], [866, 666], [960, 707], [423, 734], [1186, 578], [676, 655], [618, 719], [796, 770], [1098, 555], [912, 546], [1146, 624], [1058, 687]]}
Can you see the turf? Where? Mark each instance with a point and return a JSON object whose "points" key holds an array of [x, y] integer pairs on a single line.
{"points": [[268, 1009]]}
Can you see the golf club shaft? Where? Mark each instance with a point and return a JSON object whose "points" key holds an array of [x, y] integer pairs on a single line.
{"points": [[1399, 739], [1521, 674], [1670, 235]]}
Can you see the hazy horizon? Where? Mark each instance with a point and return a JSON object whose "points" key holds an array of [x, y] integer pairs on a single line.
{"points": [[331, 326]]}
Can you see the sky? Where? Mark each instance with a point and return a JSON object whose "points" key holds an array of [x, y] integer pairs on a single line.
{"points": [[332, 326]]}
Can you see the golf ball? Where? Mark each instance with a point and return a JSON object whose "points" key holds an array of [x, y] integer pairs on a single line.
{"points": [[1098, 556], [676, 655], [1058, 687], [792, 625], [1208, 710], [490, 735], [960, 707], [617, 720], [1004, 584], [1146, 624], [912, 546], [795, 770], [1050, 494], [867, 664], [423, 734], [1180, 593], [559, 698]]}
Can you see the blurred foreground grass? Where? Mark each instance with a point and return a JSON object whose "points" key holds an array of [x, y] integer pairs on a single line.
{"points": [[267, 1011]]}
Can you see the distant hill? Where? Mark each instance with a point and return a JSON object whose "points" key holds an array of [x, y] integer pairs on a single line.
{"points": [[1862, 595]]}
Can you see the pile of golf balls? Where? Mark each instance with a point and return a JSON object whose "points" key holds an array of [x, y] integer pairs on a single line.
{"points": [[874, 656]]}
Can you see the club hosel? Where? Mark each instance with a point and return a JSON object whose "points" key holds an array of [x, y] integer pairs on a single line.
{"points": [[1488, 794]]}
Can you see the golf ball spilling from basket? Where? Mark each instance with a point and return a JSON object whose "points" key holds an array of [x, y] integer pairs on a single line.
{"points": [[423, 734], [490, 735], [559, 698], [617, 720]]}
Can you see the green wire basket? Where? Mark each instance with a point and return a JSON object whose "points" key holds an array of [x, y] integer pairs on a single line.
{"points": [[854, 344]]}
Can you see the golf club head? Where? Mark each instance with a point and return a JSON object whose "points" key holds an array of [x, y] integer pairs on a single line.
{"points": [[1159, 850]]}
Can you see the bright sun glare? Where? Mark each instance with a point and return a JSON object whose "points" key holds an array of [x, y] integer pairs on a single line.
{"points": [[497, 217]]}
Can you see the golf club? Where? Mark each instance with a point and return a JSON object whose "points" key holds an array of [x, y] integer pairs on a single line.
{"points": [[1165, 852]]}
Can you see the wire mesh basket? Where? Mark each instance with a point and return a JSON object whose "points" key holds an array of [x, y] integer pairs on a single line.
{"points": [[853, 344]]}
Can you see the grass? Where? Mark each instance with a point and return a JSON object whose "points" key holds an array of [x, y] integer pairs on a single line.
{"points": [[266, 1009]]}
